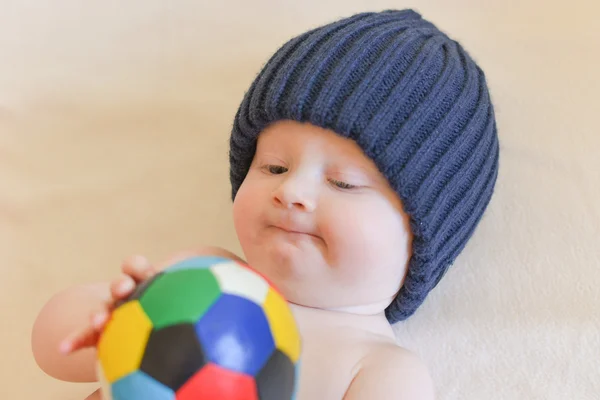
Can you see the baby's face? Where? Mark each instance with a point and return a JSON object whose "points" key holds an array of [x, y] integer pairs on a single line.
{"points": [[316, 216]]}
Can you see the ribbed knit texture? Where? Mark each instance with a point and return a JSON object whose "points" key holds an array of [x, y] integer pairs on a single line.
{"points": [[418, 106]]}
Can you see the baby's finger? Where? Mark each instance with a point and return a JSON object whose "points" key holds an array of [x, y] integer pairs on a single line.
{"points": [[139, 268], [100, 318], [80, 340], [122, 287]]}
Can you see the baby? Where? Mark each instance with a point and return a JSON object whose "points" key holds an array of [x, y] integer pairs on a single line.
{"points": [[362, 159]]}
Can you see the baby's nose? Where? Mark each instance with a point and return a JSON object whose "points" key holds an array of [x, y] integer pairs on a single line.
{"points": [[296, 193]]}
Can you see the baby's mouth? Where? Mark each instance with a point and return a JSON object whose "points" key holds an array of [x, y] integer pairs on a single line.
{"points": [[295, 231]]}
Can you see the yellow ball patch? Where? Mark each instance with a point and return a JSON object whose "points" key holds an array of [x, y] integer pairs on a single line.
{"points": [[126, 334], [283, 325]]}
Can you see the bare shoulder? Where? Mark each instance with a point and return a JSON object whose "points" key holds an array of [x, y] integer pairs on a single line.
{"points": [[392, 372]]}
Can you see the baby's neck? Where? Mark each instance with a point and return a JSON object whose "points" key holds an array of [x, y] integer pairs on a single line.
{"points": [[353, 318]]}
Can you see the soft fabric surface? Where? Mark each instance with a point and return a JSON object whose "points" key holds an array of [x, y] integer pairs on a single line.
{"points": [[114, 121]]}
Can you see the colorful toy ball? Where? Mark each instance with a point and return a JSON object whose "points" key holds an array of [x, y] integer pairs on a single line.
{"points": [[204, 328]]}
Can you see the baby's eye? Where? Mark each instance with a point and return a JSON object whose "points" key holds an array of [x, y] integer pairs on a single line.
{"points": [[342, 185], [276, 169]]}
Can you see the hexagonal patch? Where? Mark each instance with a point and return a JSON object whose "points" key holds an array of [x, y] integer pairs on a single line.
{"points": [[235, 334], [180, 296], [214, 382], [276, 381], [283, 325], [139, 386], [122, 344], [269, 282], [241, 281], [173, 355]]}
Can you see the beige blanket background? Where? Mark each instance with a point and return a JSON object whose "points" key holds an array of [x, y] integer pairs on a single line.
{"points": [[114, 121]]}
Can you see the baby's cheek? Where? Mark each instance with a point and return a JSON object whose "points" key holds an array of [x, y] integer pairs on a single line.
{"points": [[349, 242], [365, 237], [244, 210]]}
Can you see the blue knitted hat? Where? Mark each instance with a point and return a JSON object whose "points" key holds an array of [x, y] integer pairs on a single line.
{"points": [[414, 101]]}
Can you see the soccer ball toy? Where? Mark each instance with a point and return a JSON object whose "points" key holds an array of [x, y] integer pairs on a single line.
{"points": [[203, 328]]}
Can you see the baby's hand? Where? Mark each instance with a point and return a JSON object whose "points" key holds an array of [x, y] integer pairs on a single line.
{"points": [[135, 270]]}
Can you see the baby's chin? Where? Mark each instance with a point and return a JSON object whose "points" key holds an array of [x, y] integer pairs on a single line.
{"points": [[288, 254], [304, 279], [287, 263]]}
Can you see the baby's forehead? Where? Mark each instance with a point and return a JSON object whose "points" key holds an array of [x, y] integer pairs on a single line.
{"points": [[295, 138]]}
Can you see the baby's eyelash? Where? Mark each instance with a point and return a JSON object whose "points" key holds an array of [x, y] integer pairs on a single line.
{"points": [[342, 185], [275, 169], [279, 169]]}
